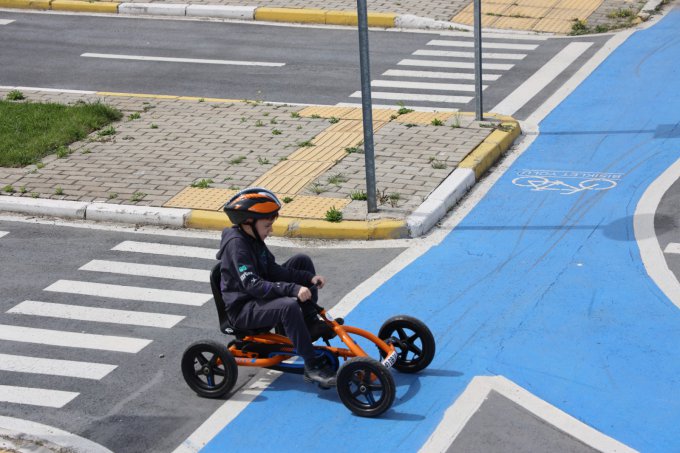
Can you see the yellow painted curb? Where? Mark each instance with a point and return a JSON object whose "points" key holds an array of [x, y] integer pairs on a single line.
{"points": [[309, 228], [94, 7], [488, 152], [341, 18], [304, 15], [25, 4]]}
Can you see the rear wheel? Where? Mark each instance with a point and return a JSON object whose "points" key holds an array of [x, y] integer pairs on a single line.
{"points": [[413, 341], [365, 386], [209, 369]]}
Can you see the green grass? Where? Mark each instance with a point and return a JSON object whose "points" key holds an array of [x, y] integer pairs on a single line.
{"points": [[31, 131]]}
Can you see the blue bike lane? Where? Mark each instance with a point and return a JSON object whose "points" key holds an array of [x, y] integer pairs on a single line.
{"points": [[544, 287]]}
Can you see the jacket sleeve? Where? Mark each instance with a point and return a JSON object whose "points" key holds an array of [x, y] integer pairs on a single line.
{"points": [[285, 274], [239, 260]]}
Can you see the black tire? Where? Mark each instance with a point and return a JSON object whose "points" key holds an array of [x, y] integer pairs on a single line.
{"points": [[365, 386], [413, 341], [209, 369]]}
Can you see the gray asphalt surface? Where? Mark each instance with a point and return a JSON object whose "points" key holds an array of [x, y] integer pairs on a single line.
{"points": [[143, 405]]}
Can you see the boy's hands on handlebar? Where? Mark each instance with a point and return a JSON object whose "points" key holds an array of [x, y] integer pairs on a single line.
{"points": [[305, 294]]}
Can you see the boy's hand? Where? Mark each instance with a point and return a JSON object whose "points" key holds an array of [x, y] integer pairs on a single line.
{"points": [[304, 294], [319, 281]]}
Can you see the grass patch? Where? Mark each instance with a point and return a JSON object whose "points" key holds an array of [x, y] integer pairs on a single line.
{"points": [[31, 131], [333, 215], [358, 195], [15, 95], [202, 184]]}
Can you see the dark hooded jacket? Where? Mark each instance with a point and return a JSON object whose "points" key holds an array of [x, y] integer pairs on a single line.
{"points": [[249, 271]]}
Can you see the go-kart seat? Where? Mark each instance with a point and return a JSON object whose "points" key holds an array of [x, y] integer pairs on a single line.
{"points": [[225, 324]]}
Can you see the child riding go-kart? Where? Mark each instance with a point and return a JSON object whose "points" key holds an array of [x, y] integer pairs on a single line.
{"points": [[253, 295]]}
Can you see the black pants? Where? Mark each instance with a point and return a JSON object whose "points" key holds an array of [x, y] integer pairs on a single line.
{"points": [[287, 311]]}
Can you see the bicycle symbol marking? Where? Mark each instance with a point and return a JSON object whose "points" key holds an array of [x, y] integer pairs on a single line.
{"points": [[540, 180]]}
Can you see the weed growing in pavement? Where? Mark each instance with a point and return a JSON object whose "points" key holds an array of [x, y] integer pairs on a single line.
{"points": [[286, 199], [381, 196], [243, 119], [262, 160], [237, 160], [134, 116], [394, 117], [137, 196], [234, 187], [456, 121], [333, 215], [8, 188], [23, 189], [437, 164], [579, 27], [337, 179], [316, 188], [281, 159], [273, 121], [259, 123], [107, 131], [154, 126], [437, 122], [15, 95], [358, 195], [58, 190], [402, 108], [85, 151], [621, 13], [315, 116], [35, 194], [113, 195], [294, 115], [298, 128], [410, 125], [354, 149], [147, 107], [201, 100], [202, 184], [39, 165], [488, 125], [305, 144], [333, 120], [394, 198], [62, 152], [276, 132]]}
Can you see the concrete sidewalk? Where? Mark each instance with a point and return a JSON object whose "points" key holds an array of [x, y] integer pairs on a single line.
{"points": [[143, 172]]}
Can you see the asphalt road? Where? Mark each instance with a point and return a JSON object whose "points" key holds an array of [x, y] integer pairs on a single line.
{"points": [[321, 66], [143, 405]]}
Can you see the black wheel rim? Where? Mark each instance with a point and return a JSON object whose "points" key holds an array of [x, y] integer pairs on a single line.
{"points": [[365, 389], [209, 370], [408, 345]]}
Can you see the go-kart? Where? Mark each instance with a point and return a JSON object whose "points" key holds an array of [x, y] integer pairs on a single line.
{"points": [[364, 385]]}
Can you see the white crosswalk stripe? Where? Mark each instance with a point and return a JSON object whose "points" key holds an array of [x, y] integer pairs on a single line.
{"points": [[95, 314], [35, 396], [148, 270], [5, 21], [3, 233], [54, 367], [72, 339], [449, 57], [672, 247], [129, 292], [166, 249]]}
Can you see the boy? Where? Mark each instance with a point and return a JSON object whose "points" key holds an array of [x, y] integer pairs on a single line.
{"points": [[259, 293]]}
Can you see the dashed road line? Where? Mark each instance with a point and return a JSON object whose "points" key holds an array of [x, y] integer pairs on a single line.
{"points": [[130, 292], [96, 314], [180, 60], [148, 270], [54, 367]]}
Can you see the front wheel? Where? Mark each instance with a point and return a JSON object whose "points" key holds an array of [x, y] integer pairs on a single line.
{"points": [[413, 341], [209, 369], [365, 386]]}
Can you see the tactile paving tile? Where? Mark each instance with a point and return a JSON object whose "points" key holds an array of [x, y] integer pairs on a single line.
{"points": [[209, 199], [423, 117], [292, 176], [308, 207], [346, 113]]}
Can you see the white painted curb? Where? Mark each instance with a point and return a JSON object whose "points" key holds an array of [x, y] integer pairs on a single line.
{"points": [[157, 9], [418, 22], [444, 197], [56, 208], [222, 11], [146, 215]]}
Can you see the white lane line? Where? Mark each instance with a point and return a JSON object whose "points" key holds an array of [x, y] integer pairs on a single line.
{"points": [[3, 233], [485, 45], [453, 54], [53, 367], [385, 106], [35, 396], [5, 21], [181, 60], [166, 249], [95, 314], [454, 64], [148, 270], [438, 75], [541, 78], [672, 247], [416, 97], [423, 86], [130, 292], [71, 339]]}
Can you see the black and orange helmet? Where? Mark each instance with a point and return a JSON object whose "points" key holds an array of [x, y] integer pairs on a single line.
{"points": [[252, 203]]}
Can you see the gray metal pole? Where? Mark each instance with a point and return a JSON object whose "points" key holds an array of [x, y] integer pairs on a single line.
{"points": [[366, 105], [478, 60]]}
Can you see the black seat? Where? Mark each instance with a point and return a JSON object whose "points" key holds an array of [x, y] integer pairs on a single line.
{"points": [[225, 324]]}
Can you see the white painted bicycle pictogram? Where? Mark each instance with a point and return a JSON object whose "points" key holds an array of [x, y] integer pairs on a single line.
{"points": [[540, 183]]}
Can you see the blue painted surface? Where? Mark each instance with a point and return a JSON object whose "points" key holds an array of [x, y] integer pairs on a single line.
{"points": [[544, 288]]}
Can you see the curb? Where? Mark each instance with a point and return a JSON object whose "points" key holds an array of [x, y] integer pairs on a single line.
{"points": [[255, 13], [433, 209]]}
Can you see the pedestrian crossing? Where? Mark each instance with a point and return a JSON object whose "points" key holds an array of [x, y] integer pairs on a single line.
{"points": [[672, 247], [441, 76], [96, 308]]}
